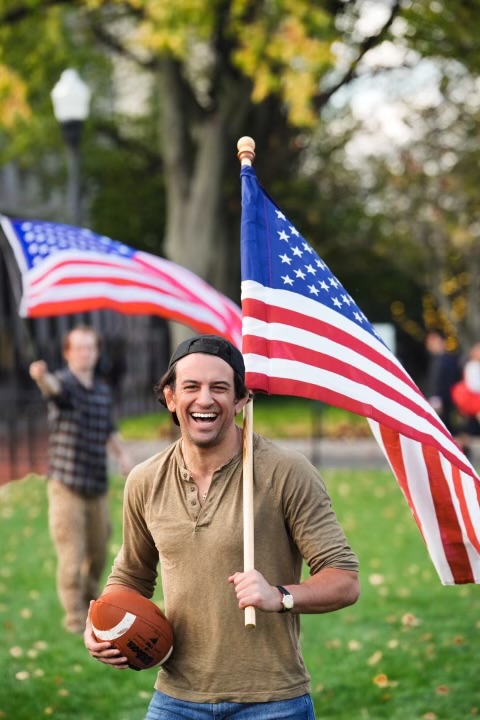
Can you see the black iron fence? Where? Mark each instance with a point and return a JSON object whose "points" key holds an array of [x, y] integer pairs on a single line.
{"points": [[23, 439], [135, 354], [24, 431]]}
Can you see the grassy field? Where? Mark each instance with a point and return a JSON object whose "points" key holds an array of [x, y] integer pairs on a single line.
{"points": [[407, 650], [274, 416]]}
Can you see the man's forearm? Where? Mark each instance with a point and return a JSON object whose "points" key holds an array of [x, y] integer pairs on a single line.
{"points": [[49, 384]]}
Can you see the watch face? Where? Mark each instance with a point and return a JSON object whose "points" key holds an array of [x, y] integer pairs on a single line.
{"points": [[287, 602]]}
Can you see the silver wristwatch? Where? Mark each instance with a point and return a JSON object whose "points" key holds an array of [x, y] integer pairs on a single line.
{"points": [[287, 599]]}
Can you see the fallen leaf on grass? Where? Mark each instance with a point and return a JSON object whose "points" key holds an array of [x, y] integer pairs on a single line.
{"points": [[375, 658]]}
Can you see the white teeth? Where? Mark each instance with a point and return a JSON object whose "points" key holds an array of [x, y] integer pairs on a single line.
{"points": [[204, 415]]}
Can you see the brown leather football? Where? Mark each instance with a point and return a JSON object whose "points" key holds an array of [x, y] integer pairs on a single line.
{"points": [[135, 625]]}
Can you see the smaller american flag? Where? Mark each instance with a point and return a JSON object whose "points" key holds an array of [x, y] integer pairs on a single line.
{"points": [[304, 335], [67, 269]]}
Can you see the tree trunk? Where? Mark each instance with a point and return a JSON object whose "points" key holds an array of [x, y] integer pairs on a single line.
{"points": [[198, 153]]}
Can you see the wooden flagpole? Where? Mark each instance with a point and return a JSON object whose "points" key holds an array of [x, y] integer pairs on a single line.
{"points": [[246, 154]]}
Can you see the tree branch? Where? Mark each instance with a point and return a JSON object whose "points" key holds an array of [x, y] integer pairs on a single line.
{"points": [[112, 43], [367, 45], [153, 160]]}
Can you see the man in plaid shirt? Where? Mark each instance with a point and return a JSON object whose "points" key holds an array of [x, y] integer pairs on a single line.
{"points": [[82, 431]]}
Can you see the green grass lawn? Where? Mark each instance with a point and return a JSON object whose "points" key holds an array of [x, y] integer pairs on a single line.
{"points": [[274, 416], [408, 650]]}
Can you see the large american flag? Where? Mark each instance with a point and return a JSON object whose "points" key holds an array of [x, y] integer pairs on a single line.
{"points": [[304, 335], [68, 269]]}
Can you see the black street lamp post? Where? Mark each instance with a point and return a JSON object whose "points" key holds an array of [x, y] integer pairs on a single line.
{"points": [[71, 102]]}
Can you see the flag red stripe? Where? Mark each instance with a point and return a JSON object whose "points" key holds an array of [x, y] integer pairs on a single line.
{"points": [[450, 530], [48, 309], [393, 448], [467, 519]]}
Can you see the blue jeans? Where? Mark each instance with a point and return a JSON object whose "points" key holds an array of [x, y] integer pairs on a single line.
{"points": [[164, 707]]}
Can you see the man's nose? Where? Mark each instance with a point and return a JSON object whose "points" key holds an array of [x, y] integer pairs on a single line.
{"points": [[205, 396]]}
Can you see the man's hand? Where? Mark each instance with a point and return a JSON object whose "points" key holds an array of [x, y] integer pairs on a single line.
{"points": [[252, 589], [38, 370], [105, 652], [117, 449], [125, 462], [48, 383]]}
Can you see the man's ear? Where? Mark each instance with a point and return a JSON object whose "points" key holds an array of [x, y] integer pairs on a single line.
{"points": [[240, 404], [169, 397]]}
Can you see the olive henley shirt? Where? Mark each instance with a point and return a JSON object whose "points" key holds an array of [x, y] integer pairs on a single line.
{"points": [[215, 658]]}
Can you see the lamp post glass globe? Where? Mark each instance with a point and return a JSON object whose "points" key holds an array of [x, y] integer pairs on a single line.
{"points": [[70, 97]]}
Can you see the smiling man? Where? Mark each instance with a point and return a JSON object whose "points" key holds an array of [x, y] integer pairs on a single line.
{"points": [[183, 511]]}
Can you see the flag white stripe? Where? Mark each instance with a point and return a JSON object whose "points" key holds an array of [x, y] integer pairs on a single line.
{"points": [[14, 244]]}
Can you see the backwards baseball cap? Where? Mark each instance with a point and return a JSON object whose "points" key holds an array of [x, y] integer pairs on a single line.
{"points": [[211, 345]]}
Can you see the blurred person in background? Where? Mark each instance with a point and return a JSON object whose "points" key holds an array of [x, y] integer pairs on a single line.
{"points": [[81, 435], [444, 370], [466, 397]]}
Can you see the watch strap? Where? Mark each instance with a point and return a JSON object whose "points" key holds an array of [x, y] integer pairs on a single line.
{"points": [[284, 592]]}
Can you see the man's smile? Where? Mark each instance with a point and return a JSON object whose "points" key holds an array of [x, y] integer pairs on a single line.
{"points": [[205, 417]]}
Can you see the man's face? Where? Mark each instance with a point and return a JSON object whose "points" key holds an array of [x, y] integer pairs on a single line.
{"points": [[204, 399], [435, 344], [82, 352]]}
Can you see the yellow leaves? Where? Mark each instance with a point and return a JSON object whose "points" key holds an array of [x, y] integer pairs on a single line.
{"points": [[284, 47], [409, 620], [175, 27], [95, 4], [381, 680], [22, 675], [299, 90], [13, 98], [376, 579], [282, 55], [354, 645], [375, 658]]}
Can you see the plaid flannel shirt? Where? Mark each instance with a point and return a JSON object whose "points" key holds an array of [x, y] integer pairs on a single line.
{"points": [[80, 423]]}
